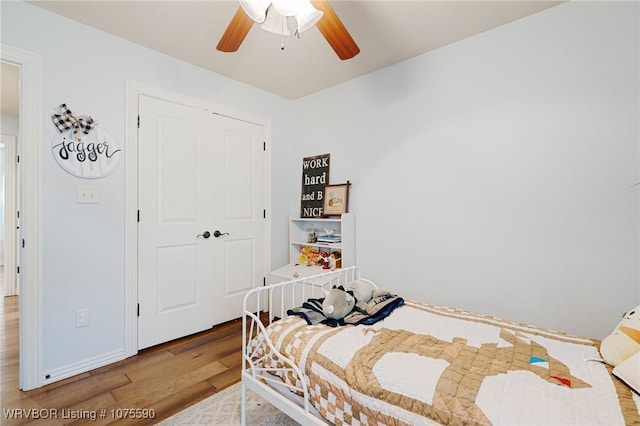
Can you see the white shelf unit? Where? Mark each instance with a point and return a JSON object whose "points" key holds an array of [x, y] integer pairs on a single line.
{"points": [[343, 226], [298, 232]]}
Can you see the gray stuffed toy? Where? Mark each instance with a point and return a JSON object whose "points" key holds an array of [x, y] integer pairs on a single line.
{"points": [[338, 303]]}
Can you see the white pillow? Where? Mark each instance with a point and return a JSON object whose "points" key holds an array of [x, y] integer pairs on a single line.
{"points": [[629, 371]]}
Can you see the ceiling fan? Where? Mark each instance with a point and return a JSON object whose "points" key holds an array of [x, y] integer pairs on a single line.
{"points": [[278, 18]]}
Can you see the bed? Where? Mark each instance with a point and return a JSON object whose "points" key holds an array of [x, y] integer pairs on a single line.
{"points": [[422, 364]]}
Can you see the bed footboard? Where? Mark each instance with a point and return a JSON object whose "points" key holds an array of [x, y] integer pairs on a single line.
{"points": [[261, 307]]}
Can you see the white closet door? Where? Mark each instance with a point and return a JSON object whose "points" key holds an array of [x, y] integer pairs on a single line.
{"points": [[198, 173]]}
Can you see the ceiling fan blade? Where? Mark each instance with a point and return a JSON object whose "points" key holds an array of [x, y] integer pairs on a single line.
{"points": [[334, 31], [236, 32]]}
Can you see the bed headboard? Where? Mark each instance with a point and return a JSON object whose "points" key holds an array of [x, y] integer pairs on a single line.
{"points": [[277, 298]]}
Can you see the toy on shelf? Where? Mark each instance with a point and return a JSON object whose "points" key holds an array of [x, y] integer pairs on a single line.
{"points": [[328, 262], [309, 255], [314, 256]]}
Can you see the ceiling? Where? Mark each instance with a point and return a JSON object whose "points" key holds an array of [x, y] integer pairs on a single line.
{"points": [[387, 32]]}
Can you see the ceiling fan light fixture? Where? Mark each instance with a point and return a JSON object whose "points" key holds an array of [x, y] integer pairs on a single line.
{"points": [[283, 17], [255, 9], [289, 21], [307, 16], [278, 24], [287, 7]]}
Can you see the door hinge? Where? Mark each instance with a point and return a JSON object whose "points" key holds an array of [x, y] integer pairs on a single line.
{"points": [[138, 215], [138, 121], [18, 269], [18, 213], [264, 213], [23, 243], [17, 158], [264, 146], [138, 309], [264, 281]]}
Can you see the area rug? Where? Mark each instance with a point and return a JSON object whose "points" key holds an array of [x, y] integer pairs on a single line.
{"points": [[223, 408]]}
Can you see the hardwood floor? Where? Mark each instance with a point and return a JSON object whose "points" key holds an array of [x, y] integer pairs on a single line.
{"points": [[166, 379]]}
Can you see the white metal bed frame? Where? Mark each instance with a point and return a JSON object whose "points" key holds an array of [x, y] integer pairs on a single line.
{"points": [[276, 299]]}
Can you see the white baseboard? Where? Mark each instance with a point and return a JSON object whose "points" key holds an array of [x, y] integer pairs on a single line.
{"points": [[82, 366]]}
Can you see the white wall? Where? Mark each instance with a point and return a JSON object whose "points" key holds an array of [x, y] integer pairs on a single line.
{"points": [[8, 124], [494, 174], [83, 245]]}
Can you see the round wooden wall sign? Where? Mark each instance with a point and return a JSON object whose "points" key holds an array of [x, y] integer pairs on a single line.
{"points": [[92, 156]]}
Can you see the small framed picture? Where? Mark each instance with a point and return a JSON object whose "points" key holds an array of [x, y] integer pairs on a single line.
{"points": [[336, 198]]}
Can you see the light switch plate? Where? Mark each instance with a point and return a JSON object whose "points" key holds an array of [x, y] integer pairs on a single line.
{"points": [[87, 195]]}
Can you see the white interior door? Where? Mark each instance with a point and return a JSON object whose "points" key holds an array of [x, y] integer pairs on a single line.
{"points": [[198, 173], [239, 209]]}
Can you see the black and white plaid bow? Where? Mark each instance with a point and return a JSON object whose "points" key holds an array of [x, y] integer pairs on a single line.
{"points": [[67, 121]]}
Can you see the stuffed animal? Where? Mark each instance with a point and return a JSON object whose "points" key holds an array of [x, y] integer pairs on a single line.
{"points": [[364, 291], [338, 257], [624, 342], [324, 260], [329, 262], [338, 303], [309, 255]]}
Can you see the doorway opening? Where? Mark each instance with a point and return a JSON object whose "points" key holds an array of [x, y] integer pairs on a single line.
{"points": [[28, 148], [10, 110], [9, 312]]}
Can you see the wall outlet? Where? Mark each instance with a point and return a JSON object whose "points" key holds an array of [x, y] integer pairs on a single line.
{"points": [[82, 318], [87, 195]]}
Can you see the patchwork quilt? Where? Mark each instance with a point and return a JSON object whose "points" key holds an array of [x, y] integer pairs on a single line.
{"points": [[426, 364]]}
